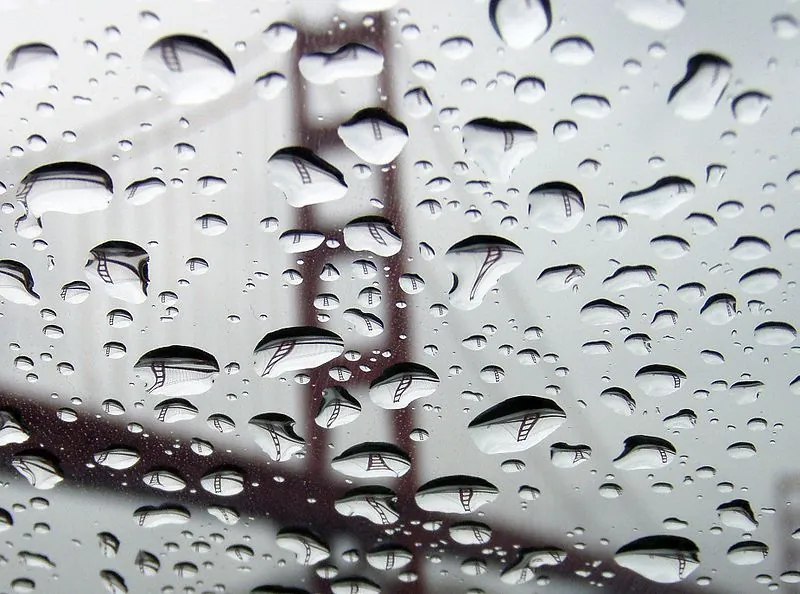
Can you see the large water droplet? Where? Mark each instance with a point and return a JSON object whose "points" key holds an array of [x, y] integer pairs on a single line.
{"points": [[719, 309], [191, 70], [556, 207], [274, 433], [120, 268], [144, 190], [373, 234], [349, 61], [456, 494], [572, 51], [659, 15], [153, 517], [374, 136], [41, 470], [560, 278], [293, 349], [16, 283], [643, 452], [775, 334], [602, 312], [401, 384], [696, 95], [515, 424], [660, 199], [372, 460], [630, 277], [660, 380], [750, 107], [662, 559], [304, 178], [337, 408], [748, 552], [177, 371], [31, 66], [737, 514], [477, 264], [497, 147], [520, 22], [376, 504], [307, 547], [70, 188]]}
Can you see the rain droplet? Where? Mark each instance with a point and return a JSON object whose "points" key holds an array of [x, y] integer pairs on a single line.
{"points": [[748, 552], [16, 283], [177, 370], [696, 95], [659, 15], [294, 349], [497, 147], [662, 559], [456, 494], [31, 66], [515, 424], [643, 452], [304, 178], [372, 460], [477, 264], [572, 51], [120, 267], [191, 70], [750, 107], [401, 384], [373, 234], [660, 199], [274, 433], [520, 22], [349, 61]]}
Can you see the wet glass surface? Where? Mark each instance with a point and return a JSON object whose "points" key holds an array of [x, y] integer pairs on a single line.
{"points": [[399, 296]]}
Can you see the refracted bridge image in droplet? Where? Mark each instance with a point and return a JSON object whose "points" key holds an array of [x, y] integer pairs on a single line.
{"points": [[274, 433], [695, 96], [308, 548], [520, 22], [372, 234], [662, 559], [719, 309], [477, 264], [630, 277], [145, 190], [353, 60], [374, 136], [67, 187], [524, 567], [191, 70], [304, 178], [372, 460], [401, 384], [337, 408], [737, 514], [296, 348], [644, 452], [560, 278], [456, 494], [660, 380], [556, 207], [602, 312], [16, 283], [376, 504], [177, 370], [515, 424], [660, 199], [39, 468], [497, 147], [120, 268], [748, 552]]}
